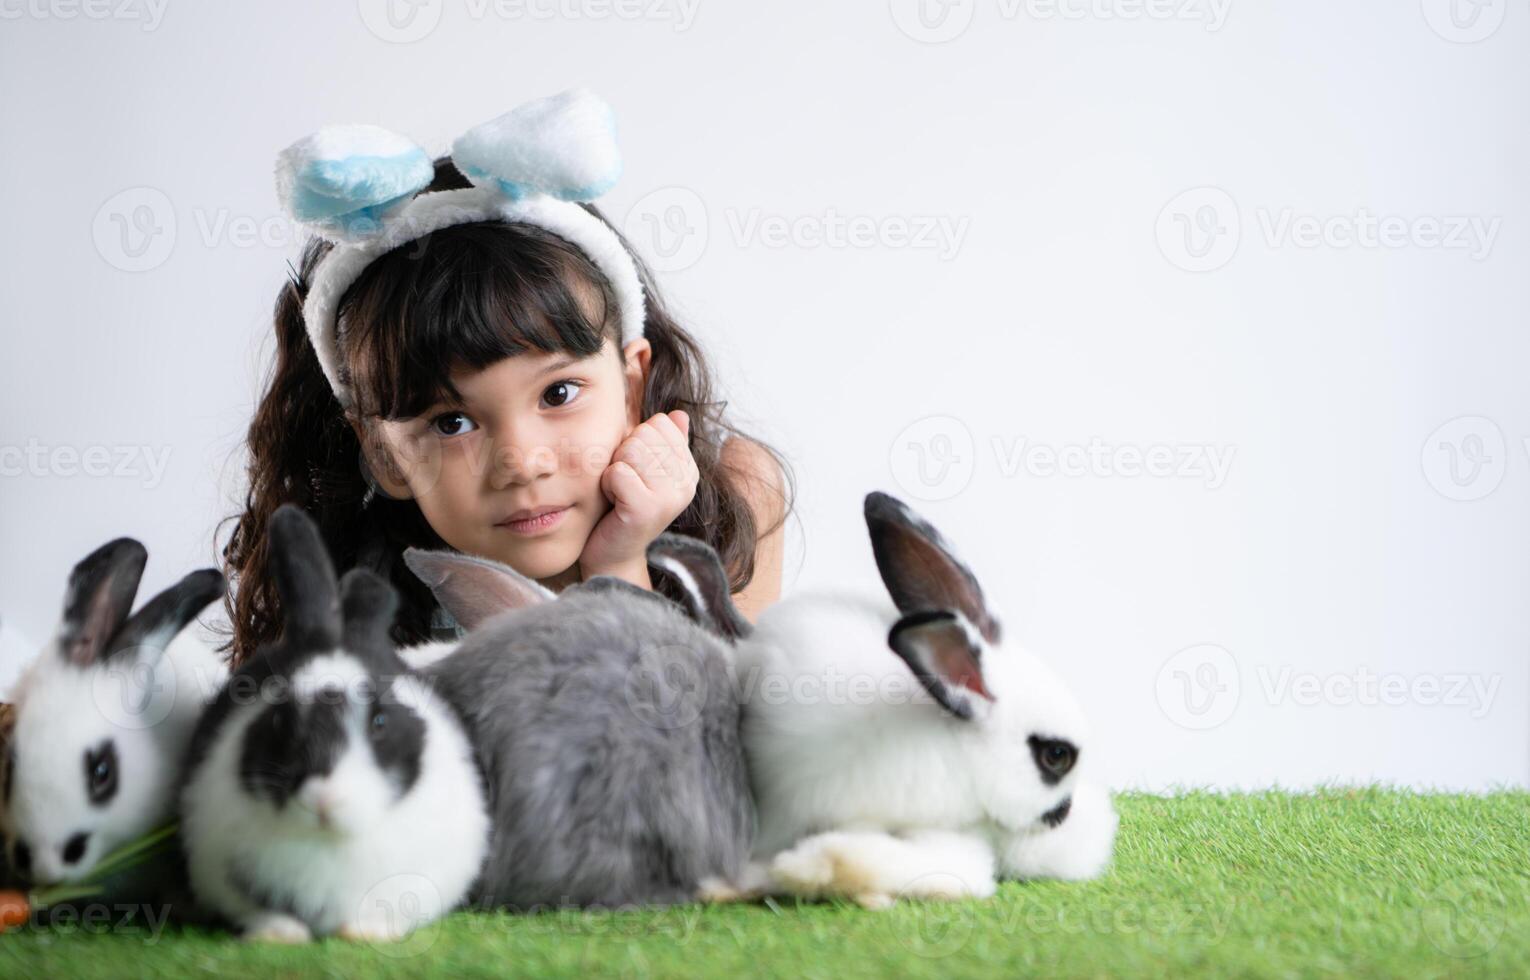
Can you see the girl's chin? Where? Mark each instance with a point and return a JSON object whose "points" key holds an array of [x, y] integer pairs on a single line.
{"points": [[539, 559], [542, 557]]}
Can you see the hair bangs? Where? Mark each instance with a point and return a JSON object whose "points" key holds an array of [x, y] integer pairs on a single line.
{"points": [[462, 299]]}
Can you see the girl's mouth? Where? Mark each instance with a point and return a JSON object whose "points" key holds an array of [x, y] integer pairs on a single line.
{"points": [[535, 525]]}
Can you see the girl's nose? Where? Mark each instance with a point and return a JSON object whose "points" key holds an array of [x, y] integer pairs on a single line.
{"points": [[521, 461]]}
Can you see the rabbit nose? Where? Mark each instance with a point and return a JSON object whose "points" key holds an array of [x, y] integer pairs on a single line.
{"points": [[322, 799], [74, 848]]}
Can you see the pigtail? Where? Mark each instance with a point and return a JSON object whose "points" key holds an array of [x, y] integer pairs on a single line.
{"points": [[303, 451]]}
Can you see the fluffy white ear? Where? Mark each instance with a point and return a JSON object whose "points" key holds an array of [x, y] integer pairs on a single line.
{"points": [[343, 181], [944, 652], [563, 146], [473, 589]]}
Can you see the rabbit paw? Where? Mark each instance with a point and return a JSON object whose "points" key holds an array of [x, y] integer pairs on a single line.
{"points": [[831, 865], [751, 883], [371, 931], [275, 927], [874, 900]]}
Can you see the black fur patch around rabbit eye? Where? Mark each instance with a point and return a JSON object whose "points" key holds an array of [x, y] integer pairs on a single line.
{"points": [[101, 773], [266, 759], [286, 745], [397, 736], [1054, 757]]}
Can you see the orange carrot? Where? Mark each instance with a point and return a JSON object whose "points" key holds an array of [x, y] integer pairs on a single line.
{"points": [[14, 910]]}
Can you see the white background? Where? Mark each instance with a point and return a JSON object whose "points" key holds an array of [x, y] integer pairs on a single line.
{"points": [[1061, 309]]}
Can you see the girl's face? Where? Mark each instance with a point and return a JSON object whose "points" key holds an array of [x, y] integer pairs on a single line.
{"points": [[532, 433]]}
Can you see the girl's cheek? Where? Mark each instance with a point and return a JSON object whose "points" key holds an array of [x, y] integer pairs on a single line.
{"points": [[416, 459], [468, 455], [585, 463], [458, 471], [589, 448]]}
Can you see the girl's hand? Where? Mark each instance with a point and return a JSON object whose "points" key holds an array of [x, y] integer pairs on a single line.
{"points": [[650, 481]]}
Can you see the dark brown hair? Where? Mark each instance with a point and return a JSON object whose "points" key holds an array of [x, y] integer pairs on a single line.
{"points": [[464, 297]]}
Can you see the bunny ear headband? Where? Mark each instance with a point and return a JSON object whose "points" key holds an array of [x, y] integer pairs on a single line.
{"points": [[356, 186]]}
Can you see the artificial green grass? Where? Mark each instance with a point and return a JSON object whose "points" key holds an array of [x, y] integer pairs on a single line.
{"points": [[1337, 882]]}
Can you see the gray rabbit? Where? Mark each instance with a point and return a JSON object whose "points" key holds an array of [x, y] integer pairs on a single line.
{"points": [[607, 725]]}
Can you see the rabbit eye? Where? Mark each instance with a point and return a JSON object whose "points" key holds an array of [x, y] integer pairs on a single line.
{"points": [[101, 772], [379, 721], [1054, 757]]}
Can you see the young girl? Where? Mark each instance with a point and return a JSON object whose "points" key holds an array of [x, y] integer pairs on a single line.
{"points": [[500, 378]]}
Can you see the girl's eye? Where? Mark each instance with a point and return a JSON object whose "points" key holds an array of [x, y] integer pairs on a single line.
{"points": [[561, 393], [452, 424]]}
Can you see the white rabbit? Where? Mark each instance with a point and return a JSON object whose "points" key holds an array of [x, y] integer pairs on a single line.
{"points": [[329, 789], [104, 715], [896, 748]]}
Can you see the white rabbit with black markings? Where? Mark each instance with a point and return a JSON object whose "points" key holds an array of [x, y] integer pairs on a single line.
{"points": [[104, 715], [897, 748], [330, 791]]}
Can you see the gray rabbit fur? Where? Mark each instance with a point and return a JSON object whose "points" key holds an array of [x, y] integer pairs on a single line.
{"points": [[607, 726]]}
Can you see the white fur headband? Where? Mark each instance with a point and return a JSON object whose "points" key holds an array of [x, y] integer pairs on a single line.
{"points": [[356, 186]]}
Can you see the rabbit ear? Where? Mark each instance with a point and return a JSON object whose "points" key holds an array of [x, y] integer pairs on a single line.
{"points": [[342, 182], [146, 634], [305, 579], [563, 146], [473, 589], [918, 566], [945, 654], [368, 604], [695, 568], [98, 598]]}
